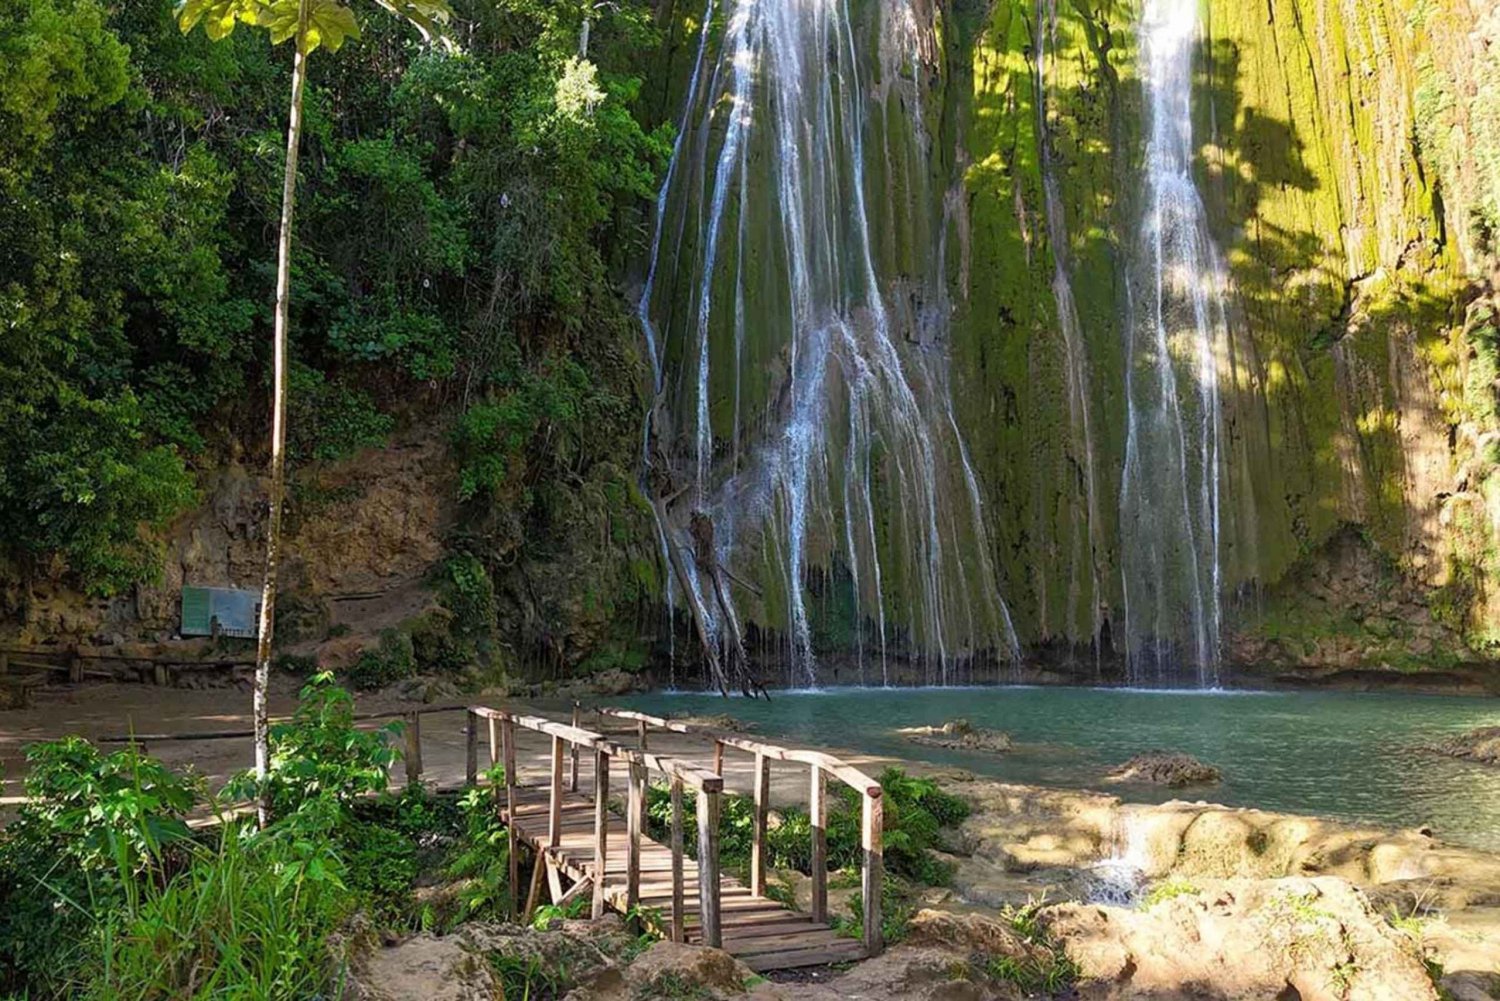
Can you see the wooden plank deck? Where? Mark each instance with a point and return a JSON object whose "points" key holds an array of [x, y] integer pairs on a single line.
{"points": [[762, 933]]}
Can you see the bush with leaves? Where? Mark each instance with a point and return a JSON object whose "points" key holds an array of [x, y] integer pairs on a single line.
{"points": [[319, 759], [94, 825], [915, 811]]}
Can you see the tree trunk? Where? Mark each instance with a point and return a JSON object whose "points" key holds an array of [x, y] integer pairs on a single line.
{"points": [[278, 424]]}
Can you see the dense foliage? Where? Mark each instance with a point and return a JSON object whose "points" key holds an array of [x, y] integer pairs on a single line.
{"points": [[447, 263], [105, 892]]}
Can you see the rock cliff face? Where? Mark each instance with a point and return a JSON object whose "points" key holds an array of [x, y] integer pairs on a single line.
{"points": [[1346, 156], [1349, 393]]}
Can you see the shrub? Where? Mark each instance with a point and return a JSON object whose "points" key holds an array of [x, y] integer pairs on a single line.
{"points": [[319, 761], [393, 659], [249, 918], [96, 823]]}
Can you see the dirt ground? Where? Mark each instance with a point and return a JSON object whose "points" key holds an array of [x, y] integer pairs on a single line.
{"points": [[96, 711]]}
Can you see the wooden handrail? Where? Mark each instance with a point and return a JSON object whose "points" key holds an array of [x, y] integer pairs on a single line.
{"points": [[821, 765], [640, 761], [839, 769]]}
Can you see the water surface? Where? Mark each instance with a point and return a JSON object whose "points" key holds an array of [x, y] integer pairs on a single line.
{"points": [[1349, 756]]}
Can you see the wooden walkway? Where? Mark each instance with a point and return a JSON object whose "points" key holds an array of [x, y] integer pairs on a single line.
{"points": [[581, 845], [577, 838], [764, 934]]}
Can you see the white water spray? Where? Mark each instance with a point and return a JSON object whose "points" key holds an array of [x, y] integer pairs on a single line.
{"points": [[772, 329], [1170, 490]]}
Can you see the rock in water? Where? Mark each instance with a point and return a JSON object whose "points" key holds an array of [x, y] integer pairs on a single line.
{"points": [[960, 735], [1165, 768], [1482, 745]]}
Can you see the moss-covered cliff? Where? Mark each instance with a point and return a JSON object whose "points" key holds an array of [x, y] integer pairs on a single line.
{"points": [[1355, 388]]}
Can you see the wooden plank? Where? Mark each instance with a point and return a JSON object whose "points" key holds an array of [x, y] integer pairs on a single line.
{"points": [[536, 888], [471, 748], [708, 865], [413, 748], [601, 828], [508, 753], [678, 915], [555, 795], [573, 783], [634, 798], [758, 830], [780, 940], [817, 808], [872, 877], [796, 958]]}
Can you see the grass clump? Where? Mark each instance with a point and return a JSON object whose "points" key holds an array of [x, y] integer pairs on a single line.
{"points": [[1044, 967], [1168, 889]]}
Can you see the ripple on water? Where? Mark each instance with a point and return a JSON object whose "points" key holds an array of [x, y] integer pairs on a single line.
{"points": [[1351, 756]]}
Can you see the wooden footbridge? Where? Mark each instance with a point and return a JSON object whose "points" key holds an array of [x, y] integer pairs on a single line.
{"points": [[581, 846]]}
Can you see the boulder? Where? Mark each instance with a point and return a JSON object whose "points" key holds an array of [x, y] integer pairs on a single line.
{"points": [[1481, 745], [424, 966], [1168, 768], [671, 969], [1312, 939], [960, 735]]}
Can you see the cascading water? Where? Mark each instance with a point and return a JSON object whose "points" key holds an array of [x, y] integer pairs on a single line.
{"points": [[1080, 418], [802, 451], [1176, 338]]}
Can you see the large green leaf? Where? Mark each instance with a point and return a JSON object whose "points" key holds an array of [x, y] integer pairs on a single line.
{"points": [[430, 17], [218, 16]]}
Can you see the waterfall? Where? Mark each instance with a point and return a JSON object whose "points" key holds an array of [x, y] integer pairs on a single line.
{"points": [[802, 445], [1176, 337], [1080, 418]]}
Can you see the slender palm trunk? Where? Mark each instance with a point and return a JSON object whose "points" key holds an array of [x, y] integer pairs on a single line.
{"points": [[278, 425]]}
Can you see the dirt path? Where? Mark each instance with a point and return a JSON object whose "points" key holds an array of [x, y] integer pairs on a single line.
{"points": [[98, 710]]}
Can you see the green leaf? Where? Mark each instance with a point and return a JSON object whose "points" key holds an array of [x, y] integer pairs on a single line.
{"points": [[218, 17], [430, 17], [329, 23]]}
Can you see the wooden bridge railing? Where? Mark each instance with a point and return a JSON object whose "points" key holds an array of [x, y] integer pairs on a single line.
{"points": [[567, 741], [821, 766]]}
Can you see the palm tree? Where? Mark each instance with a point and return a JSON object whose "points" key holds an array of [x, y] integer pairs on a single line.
{"points": [[312, 24]]}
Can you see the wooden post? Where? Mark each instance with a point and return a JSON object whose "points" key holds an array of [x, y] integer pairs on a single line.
{"points": [[535, 892], [708, 865], [75, 669], [640, 730], [554, 806], [817, 808], [508, 756], [577, 719], [494, 741], [413, 749], [601, 827], [719, 758], [159, 675], [758, 831], [873, 880], [633, 812], [679, 919], [471, 749]]}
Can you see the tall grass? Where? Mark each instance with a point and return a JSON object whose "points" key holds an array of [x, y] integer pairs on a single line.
{"points": [[248, 919]]}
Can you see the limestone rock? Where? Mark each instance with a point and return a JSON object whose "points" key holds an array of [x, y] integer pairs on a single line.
{"points": [[960, 735], [1313, 939], [1168, 768], [671, 969], [1482, 745], [428, 967]]}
